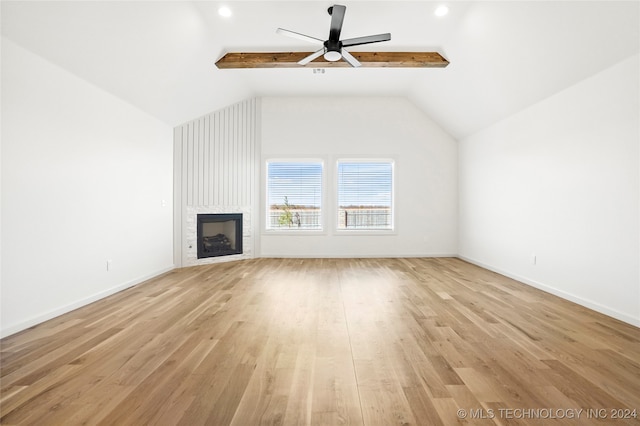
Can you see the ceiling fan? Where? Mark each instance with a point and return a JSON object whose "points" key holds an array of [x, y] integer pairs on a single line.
{"points": [[332, 50]]}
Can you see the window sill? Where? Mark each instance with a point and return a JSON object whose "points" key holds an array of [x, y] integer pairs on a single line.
{"points": [[367, 232], [292, 232]]}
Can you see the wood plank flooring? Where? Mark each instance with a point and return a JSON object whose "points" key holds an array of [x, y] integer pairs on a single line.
{"points": [[433, 341]]}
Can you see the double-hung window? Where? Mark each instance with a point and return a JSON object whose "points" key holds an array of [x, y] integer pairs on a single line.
{"points": [[294, 195], [365, 195]]}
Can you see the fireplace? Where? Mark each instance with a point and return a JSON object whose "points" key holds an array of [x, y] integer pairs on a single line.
{"points": [[219, 234]]}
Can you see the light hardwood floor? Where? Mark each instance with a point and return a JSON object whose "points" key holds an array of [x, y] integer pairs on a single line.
{"points": [[327, 342]]}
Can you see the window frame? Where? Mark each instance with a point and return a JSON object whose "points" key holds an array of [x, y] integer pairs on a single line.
{"points": [[336, 207], [323, 198]]}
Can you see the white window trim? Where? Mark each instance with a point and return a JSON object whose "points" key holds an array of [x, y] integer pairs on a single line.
{"points": [[323, 199], [334, 206]]}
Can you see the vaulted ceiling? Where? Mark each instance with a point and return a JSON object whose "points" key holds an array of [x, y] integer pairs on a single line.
{"points": [[159, 56]]}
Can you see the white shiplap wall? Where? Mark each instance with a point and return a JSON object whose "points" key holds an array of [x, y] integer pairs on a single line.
{"points": [[216, 170]]}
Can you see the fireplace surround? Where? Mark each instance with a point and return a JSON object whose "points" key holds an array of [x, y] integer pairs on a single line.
{"points": [[219, 234]]}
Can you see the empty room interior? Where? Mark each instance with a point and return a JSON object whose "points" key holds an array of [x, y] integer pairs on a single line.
{"points": [[302, 212]]}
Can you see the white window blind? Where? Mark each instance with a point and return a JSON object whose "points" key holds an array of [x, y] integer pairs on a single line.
{"points": [[365, 195], [294, 195]]}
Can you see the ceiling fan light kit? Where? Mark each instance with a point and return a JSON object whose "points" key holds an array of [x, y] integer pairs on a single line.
{"points": [[333, 50], [332, 55]]}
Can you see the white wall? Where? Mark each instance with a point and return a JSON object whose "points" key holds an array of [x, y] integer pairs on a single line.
{"points": [[385, 127], [83, 179], [560, 180]]}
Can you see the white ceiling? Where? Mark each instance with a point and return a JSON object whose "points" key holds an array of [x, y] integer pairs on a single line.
{"points": [[160, 55]]}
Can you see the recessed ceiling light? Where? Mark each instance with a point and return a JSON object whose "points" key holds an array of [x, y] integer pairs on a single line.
{"points": [[441, 10], [224, 11]]}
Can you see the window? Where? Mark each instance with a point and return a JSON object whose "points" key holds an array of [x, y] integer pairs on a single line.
{"points": [[365, 194], [294, 195]]}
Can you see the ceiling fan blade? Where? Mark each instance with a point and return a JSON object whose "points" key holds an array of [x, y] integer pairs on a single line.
{"points": [[350, 59], [366, 40], [337, 16], [306, 60], [299, 36]]}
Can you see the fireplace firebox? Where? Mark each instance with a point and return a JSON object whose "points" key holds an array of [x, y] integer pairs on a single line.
{"points": [[219, 234]]}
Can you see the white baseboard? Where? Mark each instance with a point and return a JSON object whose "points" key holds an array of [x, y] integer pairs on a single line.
{"points": [[563, 294], [351, 256], [15, 328]]}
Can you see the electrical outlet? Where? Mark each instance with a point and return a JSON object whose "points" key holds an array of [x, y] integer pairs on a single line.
{"points": [[109, 265], [534, 259]]}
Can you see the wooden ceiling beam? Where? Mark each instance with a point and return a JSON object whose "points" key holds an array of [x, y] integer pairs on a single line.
{"points": [[367, 59]]}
